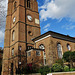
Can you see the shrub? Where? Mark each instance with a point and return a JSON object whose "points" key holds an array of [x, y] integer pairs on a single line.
{"points": [[44, 70], [72, 69], [60, 61], [28, 69], [66, 68], [57, 67]]}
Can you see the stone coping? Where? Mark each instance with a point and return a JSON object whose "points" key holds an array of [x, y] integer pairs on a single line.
{"points": [[31, 74], [56, 73]]}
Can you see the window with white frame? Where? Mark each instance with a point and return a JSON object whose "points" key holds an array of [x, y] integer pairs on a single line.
{"points": [[12, 51], [59, 49], [29, 53], [38, 53], [68, 47], [13, 35], [44, 54]]}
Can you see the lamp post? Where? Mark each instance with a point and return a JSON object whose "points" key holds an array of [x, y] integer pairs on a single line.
{"points": [[20, 58]]}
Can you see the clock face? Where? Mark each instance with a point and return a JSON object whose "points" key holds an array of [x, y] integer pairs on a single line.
{"points": [[29, 18], [14, 19]]}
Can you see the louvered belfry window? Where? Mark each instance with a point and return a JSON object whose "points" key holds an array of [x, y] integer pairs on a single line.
{"points": [[28, 3]]}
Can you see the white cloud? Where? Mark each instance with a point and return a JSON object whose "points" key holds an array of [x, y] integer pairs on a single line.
{"points": [[69, 27], [46, 27], [1, 36], [58, 9], [3, 11]]}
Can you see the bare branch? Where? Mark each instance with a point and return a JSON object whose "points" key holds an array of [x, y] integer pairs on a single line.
{"points": [[3, 13]]}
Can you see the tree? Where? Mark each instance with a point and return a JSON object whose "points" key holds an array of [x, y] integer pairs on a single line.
{"points": [[69, 57], [73, 56], [3, 13]]}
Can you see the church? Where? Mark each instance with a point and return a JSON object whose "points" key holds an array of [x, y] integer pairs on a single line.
{"points": [[23, 42]]}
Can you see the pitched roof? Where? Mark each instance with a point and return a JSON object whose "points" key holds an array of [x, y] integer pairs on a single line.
{"points": [[55, 35]]}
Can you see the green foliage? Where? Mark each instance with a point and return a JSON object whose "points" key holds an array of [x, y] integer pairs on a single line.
{"points": [[57, 67], [73, 56], [44, 70], [66, 68], [72, 69], [67, 56], [60, 61]]}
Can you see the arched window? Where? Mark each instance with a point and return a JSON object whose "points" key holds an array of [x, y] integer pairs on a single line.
{"points": [[41, 46], [15, 5], [28, 3], [13, 35], [59, 49], [68, 47], [12, 51]]}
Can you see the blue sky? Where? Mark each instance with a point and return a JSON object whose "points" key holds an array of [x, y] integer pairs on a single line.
{"points": [[55, 15], [60, 18]]}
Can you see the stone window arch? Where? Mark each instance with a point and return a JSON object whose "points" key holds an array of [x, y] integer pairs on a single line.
{"points": [[13, 35], [59, 49]]}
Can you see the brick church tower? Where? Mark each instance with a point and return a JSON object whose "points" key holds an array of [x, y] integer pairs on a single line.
{"points": [[22, 25]]}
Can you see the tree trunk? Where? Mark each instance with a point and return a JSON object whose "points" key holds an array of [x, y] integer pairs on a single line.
{"points": [[71, 64]]}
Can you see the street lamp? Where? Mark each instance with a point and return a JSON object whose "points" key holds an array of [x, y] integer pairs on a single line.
{"points": [[20, 58]]}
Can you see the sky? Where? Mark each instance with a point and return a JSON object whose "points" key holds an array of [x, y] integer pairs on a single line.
{"points": [[55, 15]]}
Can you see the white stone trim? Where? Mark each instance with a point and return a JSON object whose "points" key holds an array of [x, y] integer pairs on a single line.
{"points": [[60, 73], [43, 38], [49, 74], [30, 50], [37, 21]]}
